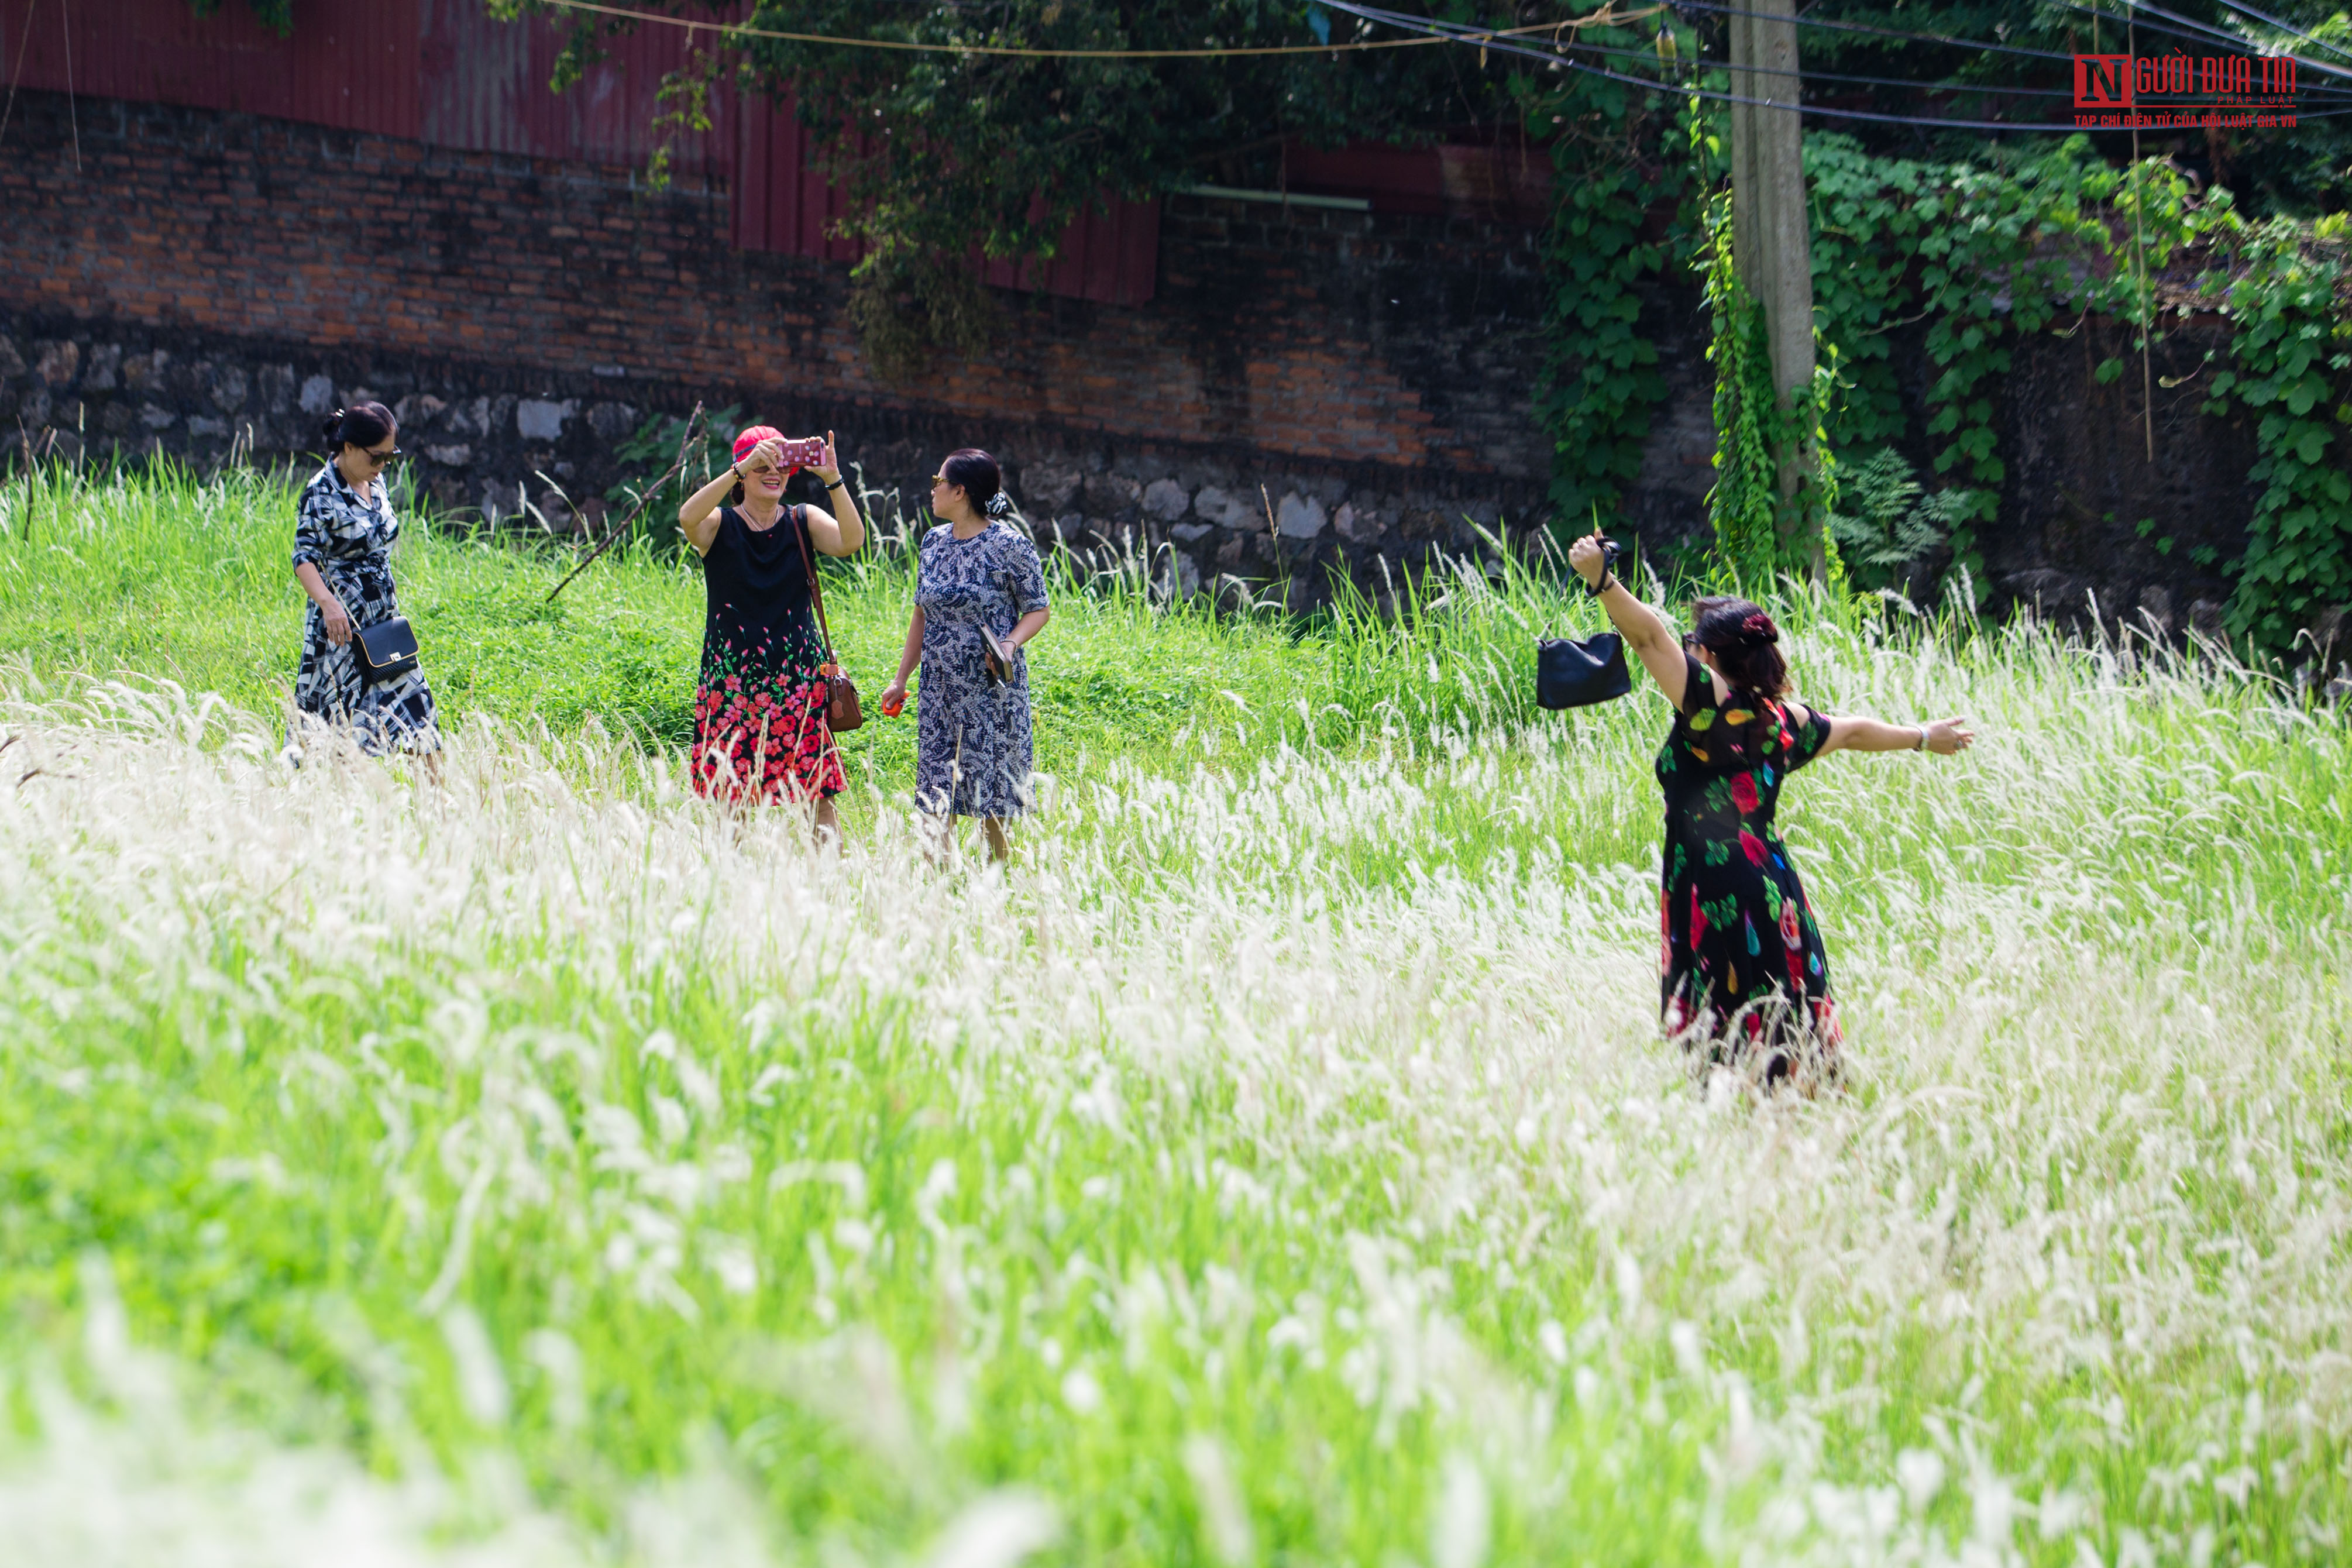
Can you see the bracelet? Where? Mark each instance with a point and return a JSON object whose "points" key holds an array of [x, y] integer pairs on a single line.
{"points": [[836, 485], [1922, 744], [1595, 590]]}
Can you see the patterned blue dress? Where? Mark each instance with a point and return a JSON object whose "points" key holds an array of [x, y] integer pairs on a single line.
{"points": [[973, 747], [349, 539]]}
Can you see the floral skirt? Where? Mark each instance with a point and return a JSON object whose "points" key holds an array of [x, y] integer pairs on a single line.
{"points": [[1743, 981], [763, 738]]}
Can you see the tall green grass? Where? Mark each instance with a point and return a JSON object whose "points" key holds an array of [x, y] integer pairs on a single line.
{"points": [[1279, 1164], [165, 575]]}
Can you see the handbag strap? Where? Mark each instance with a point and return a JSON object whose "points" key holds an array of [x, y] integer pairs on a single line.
{"points": [[816, 592]]}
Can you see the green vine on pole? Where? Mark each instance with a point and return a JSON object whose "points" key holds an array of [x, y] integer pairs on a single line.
{"points": [[1759, 531], [1744, 504]]}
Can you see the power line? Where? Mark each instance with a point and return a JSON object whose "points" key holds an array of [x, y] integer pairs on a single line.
{"points": [[2203, 32], [1460, 33], [1704, 62], [1647, 84], [1827, 24], [2290, 30], [1608, 15], [1506, 40], [1901, 36], [2208, 34]]}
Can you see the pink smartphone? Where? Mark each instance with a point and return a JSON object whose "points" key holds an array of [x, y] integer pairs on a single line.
{"points": [[804, 454]]}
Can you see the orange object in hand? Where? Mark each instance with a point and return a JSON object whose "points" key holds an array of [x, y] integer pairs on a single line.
{"points": [[893, 706]]}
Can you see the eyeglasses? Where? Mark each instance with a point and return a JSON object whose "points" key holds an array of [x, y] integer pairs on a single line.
{"points": [[381, 459], [938, 480]]}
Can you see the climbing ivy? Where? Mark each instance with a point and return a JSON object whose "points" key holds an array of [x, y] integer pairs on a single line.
{"points": [[1984, 254], [1987, 253], [2292, 348], [1621, 168]]}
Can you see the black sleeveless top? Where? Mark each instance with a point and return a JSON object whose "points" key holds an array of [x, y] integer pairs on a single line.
{"points": [[758, 621]]}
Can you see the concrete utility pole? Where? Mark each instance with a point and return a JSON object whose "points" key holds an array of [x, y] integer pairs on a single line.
{"points": [[1771, 247]]}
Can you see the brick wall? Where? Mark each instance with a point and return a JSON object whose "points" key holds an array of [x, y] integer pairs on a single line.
{"points": [[1372, 375]]}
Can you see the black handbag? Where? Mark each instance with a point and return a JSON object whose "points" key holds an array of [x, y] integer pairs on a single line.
{"points": [[385, 651], [1570, 674], [1576, 674]]}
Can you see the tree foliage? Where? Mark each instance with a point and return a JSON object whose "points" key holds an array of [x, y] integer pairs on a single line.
{"points": [[949, 156], [277, 15]]}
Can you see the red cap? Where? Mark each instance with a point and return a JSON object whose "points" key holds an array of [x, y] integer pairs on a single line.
{"points": [[753, 436]]}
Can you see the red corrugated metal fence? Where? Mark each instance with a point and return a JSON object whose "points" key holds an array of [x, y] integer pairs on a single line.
{"points": [[348, 64], [447, 73]]}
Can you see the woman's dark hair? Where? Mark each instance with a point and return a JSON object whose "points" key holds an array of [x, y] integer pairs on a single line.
{"points": [[1745, 645], [982, 482], [363, 425]]}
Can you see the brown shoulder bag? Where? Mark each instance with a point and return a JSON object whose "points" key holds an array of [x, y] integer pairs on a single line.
{"points": [[842, 711]]}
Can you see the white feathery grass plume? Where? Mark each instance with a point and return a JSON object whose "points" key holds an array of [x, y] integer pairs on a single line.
{"points": [[999, 1530], [1224, 1516], [1461, 1527]]}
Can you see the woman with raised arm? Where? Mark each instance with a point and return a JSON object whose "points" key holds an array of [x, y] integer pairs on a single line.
{"points": [[978, 588], [1742, 976], [760, 728], [343, 533]]}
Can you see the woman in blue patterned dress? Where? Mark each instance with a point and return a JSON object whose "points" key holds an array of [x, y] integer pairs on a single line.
{"points": [[1743, 979], [973, 744], [343, 534]]}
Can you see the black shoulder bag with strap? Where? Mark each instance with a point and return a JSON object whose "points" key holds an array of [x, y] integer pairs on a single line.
{"points": [[1570, 673], [385, 651], [843, 712]]}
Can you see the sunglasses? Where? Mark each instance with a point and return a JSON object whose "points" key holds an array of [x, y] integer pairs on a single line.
{"points": [[381, 459]]}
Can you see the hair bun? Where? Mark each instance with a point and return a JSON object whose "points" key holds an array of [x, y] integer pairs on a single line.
{"points": [[999, 505], [1758, 627]]}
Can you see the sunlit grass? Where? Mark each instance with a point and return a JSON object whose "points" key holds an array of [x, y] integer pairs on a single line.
{"points": [[1280, 1165]]}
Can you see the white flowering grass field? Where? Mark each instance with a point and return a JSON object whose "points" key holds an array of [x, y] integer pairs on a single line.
{"points": [[1278, 1166]]}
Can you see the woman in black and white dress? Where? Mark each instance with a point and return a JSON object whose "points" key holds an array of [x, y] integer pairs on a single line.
{"points": [[343, 534], [976, 577]]}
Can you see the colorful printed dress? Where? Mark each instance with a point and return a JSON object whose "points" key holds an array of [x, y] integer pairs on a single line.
{"points": [[349, 539], [1742, 974], [972, 742], [759, 729]]}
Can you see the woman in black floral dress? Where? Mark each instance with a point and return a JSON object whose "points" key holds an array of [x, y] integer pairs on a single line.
{"points": [[1742, 976], [343, 533], [760, 728]]}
